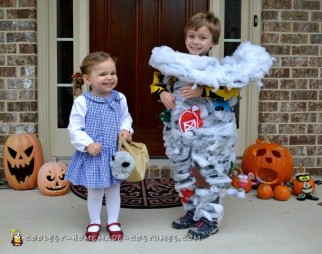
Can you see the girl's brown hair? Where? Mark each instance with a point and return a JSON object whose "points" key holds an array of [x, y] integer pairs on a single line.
{"points": [[207, 19], [89, 61]]}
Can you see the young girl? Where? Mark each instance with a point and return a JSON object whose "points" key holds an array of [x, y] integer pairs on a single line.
{"points": [[98, 118]]}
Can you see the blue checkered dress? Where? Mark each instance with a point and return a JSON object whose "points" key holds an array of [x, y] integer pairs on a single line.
{"points": [[102, 124]]}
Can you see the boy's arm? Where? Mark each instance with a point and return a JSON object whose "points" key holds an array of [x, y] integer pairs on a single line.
{"points": [[222, 92], [207, 92], [157, 87]]}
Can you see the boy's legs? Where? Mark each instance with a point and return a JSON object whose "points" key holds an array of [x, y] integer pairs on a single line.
{"points": [[210, 190], [184, 185], [184, 182]]}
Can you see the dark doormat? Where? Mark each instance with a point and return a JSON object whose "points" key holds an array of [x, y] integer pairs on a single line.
{"points": [[146, 194]]}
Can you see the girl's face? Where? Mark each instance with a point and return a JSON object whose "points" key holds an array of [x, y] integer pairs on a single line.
{"points": [[102, 78], [199, 42]]}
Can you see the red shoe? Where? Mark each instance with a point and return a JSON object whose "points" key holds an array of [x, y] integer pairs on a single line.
{"points": [[115, 235], [92, 236]]}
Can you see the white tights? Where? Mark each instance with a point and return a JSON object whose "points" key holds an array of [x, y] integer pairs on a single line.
{"points": [[94, 204]]}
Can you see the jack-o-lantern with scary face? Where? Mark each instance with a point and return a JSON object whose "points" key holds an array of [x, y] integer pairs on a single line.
{"points": [[22, 159], [272, 163], [51, 179]]}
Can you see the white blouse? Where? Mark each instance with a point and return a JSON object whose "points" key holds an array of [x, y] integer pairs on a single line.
{"points": [[80, 138]]}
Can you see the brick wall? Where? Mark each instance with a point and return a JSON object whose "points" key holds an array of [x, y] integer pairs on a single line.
{"points": [[290, 102], [18, 61]]}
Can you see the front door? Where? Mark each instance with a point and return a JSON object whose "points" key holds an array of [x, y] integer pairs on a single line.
{"points": [[129, 30]]}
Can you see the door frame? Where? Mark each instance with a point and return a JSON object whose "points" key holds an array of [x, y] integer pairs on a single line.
{"points": [[47, 80], [47, 92], [249, 105]]}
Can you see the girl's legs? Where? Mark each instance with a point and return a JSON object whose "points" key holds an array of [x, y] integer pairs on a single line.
{"points": [[94, 205], [113, 204]]}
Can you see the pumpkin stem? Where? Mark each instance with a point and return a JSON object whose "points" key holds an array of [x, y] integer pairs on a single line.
{"points": [[266, 139], [301, 169]]}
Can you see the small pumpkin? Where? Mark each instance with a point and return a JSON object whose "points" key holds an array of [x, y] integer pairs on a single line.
{"points": [[264, 191], [268, 161], [282, 192], [22, 159], [51, 179]]}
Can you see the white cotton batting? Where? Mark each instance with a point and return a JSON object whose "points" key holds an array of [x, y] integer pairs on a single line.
{"points": [[248, 63]]}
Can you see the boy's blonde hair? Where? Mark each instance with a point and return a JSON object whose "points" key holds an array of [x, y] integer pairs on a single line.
{"points": [[207, 19]]}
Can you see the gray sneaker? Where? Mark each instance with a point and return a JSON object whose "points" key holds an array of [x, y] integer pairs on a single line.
{"points": [[203, 229], [186, 221]]}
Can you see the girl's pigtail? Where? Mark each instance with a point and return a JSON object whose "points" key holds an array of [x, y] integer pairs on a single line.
{"points": [[77, 81]]}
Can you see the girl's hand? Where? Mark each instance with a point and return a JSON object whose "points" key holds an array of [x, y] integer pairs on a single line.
{"points": [[168, 99], [125, 134], [188, 93], [94, 149]]}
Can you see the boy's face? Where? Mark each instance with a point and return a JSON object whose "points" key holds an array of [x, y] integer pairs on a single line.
{"points": [[199, 42]]}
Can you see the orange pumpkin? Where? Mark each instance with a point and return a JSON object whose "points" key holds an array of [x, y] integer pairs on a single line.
{"points": [[282, 192], [264, 191], [22, 159], [270, 162], [51, 179]]}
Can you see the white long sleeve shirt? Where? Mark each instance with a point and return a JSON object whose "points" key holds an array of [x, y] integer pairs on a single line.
{"points": [[78, 137]]}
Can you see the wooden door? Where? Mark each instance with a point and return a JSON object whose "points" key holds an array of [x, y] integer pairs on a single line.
{"points": [[129, 29]]}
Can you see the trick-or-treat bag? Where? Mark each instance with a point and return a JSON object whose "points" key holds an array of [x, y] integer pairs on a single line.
{"points": [[141, 158]]}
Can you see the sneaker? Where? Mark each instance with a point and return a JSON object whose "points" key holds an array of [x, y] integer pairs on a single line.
{"points": [[186, 221], [240, 193], [231, 190], [203, 229]]}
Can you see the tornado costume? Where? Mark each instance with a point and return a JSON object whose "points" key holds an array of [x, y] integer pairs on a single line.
{"points": [[200, 133]]}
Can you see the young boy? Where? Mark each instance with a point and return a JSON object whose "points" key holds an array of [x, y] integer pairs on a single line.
{"points": [[199, 134]]}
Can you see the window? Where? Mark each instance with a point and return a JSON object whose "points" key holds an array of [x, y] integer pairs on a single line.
{"points": [[65, 58], [232, 30], [232, 34]]}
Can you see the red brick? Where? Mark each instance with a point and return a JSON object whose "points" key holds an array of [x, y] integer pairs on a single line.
{"points": [[291, 129], [302, 140], [305, 73], [304, 118], [277, 4], [290, 84]]}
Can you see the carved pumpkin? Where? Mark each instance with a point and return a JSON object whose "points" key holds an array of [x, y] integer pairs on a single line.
{"points": [[270, 162], [51, 179], [22, 159], [264, 191], [282, 192]]}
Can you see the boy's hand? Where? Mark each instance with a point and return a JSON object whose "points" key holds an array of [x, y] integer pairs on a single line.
{"points": [[168, 99], [188, 93], [94, 149], [126, 135]]}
